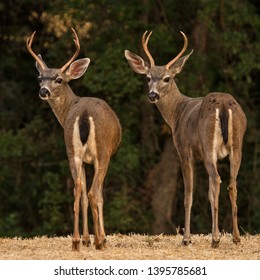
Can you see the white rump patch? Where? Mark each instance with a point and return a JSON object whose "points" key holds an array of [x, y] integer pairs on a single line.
{"points": [[87, 152], [219, 149]]}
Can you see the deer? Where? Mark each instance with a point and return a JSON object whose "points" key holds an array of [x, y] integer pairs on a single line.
{"points": [[204, 128], [92, 134]]}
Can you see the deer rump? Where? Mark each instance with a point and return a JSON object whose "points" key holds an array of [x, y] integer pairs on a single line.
{"points": [[222, 107]]}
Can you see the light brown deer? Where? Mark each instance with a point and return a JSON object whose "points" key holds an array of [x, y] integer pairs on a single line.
{"points": [[92, 133], [206, 128]]}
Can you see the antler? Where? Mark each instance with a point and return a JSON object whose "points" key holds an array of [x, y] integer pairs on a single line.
{"points": [[29, 48], [145, 43], [169, 64], [76, 40]]}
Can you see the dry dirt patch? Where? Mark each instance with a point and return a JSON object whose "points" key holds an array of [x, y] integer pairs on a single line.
{"points": [[132, 247]]}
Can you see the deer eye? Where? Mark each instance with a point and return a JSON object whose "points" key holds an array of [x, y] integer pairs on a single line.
{"points": [[166, 79], [39, 79], [58, 80], [148, 79]]}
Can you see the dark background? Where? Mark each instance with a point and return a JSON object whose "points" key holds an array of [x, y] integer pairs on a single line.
{"points": [[143, 190]]}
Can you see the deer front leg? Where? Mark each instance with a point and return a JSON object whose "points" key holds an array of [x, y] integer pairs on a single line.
{"points": [[187, 171], [96, 202]]}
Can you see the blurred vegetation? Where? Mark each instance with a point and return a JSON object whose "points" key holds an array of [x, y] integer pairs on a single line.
{"points": [[36, 190]]}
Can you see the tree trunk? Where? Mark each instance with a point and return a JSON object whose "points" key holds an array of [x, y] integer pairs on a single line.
{"points": [[163, 181]]}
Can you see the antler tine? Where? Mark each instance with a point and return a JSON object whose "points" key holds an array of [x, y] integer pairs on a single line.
{"points": [[168, 65], [145, 46], [76, 41], [29, 48]]}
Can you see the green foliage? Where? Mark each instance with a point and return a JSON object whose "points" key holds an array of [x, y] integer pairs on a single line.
{"points": [[55, 205], [35, 195], [124, 213]]}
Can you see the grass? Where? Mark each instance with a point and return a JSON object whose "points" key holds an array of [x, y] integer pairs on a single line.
{"points": [[133, 246]]}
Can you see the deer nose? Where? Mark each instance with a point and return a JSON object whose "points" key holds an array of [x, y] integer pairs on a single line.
{"points": [[44, 93], [153, 96]]}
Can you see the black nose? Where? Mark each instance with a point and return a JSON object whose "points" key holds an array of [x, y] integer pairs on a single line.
{"points": [[153, 96], [44, 93]]}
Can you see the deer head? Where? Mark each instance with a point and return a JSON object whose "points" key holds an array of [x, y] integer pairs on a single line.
{"points": [[53, 82], [159, 78]]}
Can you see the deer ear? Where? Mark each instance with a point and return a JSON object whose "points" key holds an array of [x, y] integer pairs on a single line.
{"points": [[77, 68], [176, 68], [137, 63], [38, 66]]}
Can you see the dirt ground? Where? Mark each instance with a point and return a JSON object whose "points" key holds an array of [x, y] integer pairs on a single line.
{"points": [[132, 247]]}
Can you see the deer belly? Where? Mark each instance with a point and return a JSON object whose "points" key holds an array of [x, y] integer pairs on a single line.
{"points": [[84, 146]]}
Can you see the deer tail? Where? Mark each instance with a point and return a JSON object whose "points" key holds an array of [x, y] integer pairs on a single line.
{"points": [[224, 115], [84, 127]]}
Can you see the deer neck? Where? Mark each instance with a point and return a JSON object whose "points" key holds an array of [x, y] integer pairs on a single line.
{"points": [[62, 104], [169, 104]]}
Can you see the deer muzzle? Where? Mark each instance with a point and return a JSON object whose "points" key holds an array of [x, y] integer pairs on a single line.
{"points": [[153, 96], [44, 93]]}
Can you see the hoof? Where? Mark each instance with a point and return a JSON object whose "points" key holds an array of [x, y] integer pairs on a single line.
{"points": [[215, 243], [75, 245], [86, 243], [186, 242], [236, 240], [101, 245]]}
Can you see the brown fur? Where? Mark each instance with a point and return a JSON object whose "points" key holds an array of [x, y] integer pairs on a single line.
{"points": [[108, 137], [92, 134], [206, 128]]}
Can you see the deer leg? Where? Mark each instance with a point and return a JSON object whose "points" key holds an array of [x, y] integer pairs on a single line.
{"points": [[96, 202], [77, 195], [235, 160], [214, 188], [76, 166], [84, 206], [187, 171]]}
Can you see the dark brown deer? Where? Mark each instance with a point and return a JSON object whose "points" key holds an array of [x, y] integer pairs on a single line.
{"points": [[206, 128], [92, 133]]}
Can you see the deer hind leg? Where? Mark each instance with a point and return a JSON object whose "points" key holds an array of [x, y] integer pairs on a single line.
{"points": [[214, 189], [76, 166], [96, 202], [212, 146], [235, 157], [84, 206], [235, 160]]}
